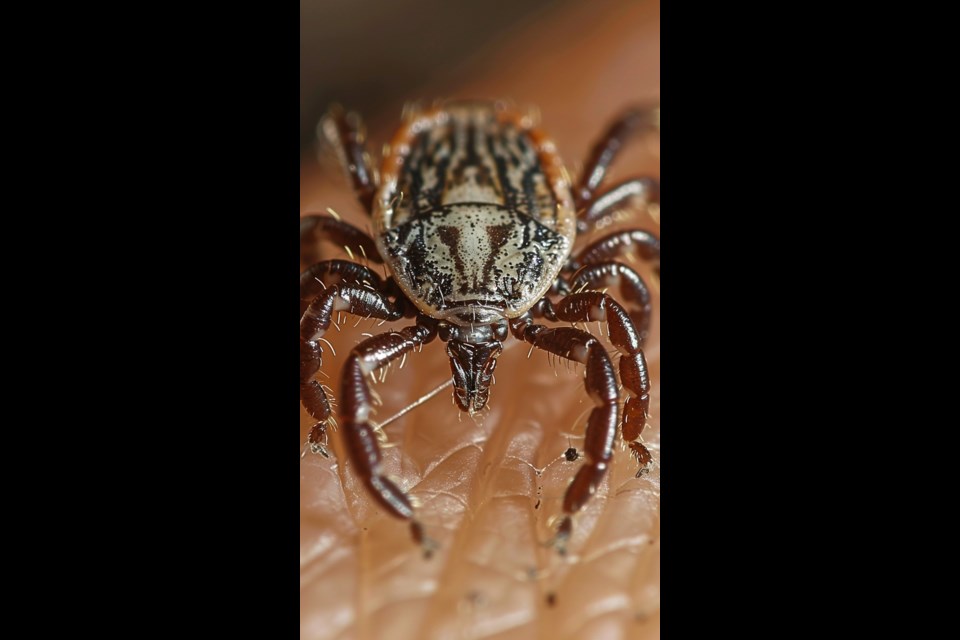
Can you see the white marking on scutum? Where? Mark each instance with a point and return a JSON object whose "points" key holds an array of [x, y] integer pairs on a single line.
{"points": [[473, 247]]}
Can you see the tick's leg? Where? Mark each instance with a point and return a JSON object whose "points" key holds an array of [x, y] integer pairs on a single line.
{"points": [[323, 275], [313, 324], [601, 385], [345, 133], [359, 434], [634, 193], [591, 306], [633, 121], [634, 294], [314, 228], [617, 244]]}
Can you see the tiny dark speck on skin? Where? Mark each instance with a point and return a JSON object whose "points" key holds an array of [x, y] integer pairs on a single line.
{"points": [[551, 599], [571, 454], [537, 506]]}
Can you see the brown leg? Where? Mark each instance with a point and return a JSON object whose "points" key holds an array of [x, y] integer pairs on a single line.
{"points": [[596, 306], [323, 275], [634, 194], [359, 434], [616, 244], [345, 133], [634, 120], [601, 385], [314, 228], [313, 324], [634, 294]]}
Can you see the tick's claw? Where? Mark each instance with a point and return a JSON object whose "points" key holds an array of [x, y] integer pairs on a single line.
{"points": [[318, 440]]}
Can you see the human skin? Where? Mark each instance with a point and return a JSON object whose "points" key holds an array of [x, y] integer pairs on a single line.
{"points": [[490, 488]]}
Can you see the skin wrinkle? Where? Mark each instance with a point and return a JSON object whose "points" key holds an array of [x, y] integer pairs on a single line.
{"points": [[361, 577]]}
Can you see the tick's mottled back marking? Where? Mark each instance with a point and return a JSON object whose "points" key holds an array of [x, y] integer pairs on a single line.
{"points": [[474, 215]]}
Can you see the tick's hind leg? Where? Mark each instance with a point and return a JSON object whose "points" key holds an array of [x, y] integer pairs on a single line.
{"points": [[601, 385], [590, 306], [313, 324], [360, 435], [314, 228], [345, 133]]}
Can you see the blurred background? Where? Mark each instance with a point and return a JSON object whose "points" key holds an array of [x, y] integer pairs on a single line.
{"points": [[373, 55], [489, 488]]}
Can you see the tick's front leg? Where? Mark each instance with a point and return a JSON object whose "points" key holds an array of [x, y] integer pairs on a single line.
{"points": [[360, 435], [313, 325], [601, 385], [596, 306]]}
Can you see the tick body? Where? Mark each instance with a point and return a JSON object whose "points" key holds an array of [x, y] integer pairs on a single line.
{"points": [[476, 219]]}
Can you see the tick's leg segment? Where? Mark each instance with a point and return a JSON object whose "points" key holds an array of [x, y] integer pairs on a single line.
{"points": [[359, 435], [596, 306], [634, 293], [314, 228], [605, 150], [601, 385], [323, 275], [633, 194], [314, 323], [619, 243], [345, 133]]}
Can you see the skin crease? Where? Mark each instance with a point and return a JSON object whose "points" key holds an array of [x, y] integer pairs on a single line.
{"points": [[489, 489]]}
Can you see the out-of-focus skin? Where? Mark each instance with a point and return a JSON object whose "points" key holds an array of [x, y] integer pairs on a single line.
{"points": [[489, 490]]}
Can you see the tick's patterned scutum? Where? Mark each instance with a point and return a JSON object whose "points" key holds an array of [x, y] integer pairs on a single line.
{"points": [[474, 214]]}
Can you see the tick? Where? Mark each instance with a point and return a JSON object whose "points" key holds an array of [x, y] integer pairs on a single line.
{"points": [[475, 218]]}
